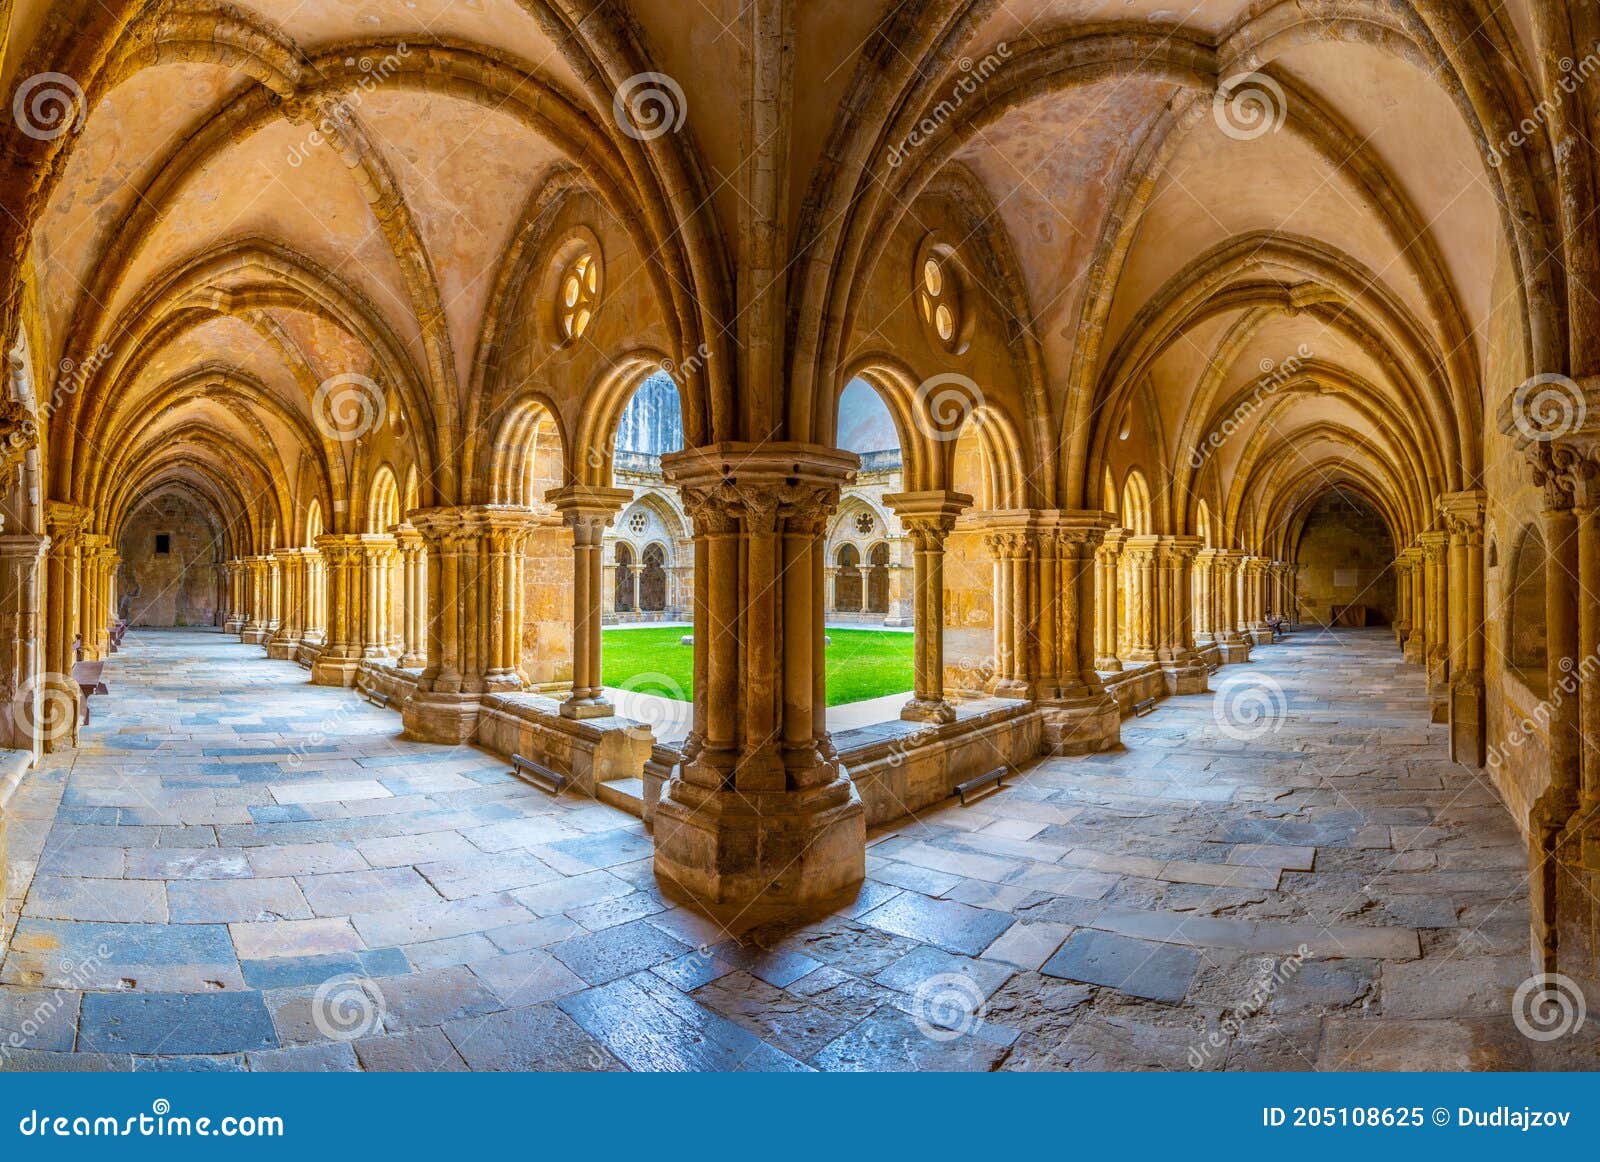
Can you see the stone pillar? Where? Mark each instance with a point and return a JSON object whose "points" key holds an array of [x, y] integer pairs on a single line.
{"points": [[1232, 635], [413, 597], [344, 610], [1141, 622], [255, 629], [1080, 717], [1204, 597], [91, 593], [42, 708], [1463, 513], [376, 565], [291, 603], [316, 608], [1402, 592], [1181, 667], [588, 511], [1107, 570], [759, 818], [928, 518], [1253, 599], [1012, 545], [65, 523], [238, 613], [474, 575], [1436, 564]]}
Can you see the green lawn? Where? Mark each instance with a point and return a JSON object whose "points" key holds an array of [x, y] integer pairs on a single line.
{"points": [[862, 663]]}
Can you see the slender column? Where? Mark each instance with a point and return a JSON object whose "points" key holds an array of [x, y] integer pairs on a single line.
{"points": [[928, 518], [759, 817], [91, 594], [1435, 547], [1463, 514], [376, 579], [1233, 637], [1012, 545], [414, 597], [1203, 600], [344, 610], [42, 708], [588, 512], [1140, 620], [291, 604], [1107, 569]]}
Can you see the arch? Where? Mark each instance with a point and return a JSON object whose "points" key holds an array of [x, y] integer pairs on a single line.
{"points": [[653, 563], [1135, 509], [529, 454], [878, 558], [623, 588], [847, 587], [383, 501], [313, 524]]}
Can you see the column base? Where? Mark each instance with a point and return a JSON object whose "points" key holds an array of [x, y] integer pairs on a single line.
{"points": [[1009, 688], [1086, 725], [282, 648], [1185, 677], [254, 636], [1413, 651], [1235, 650], [1467, 721], [233, 625], [1261, 635], [935, 710], [762, 856], [332, 671], [1108, 664], [595, 707], [429, 716]]}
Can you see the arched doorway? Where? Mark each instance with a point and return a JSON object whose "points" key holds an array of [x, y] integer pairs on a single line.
{"points": [[878, 578], [847, 579], [653, 580]]}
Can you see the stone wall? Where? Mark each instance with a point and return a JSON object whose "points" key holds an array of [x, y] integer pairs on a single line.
{"points": [[1344, 559], [178, 587]]}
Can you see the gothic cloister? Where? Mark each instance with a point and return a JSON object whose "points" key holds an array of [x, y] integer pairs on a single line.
{"points": [[366, 360]]}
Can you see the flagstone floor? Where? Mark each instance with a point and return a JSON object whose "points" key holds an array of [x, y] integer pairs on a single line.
{"points": [[238, 870]]}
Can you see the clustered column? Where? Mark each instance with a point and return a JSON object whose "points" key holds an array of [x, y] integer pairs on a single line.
{"points": [[1173, 610], [1436, 604], [1012, 550], [1463, 514], [588, 511], [1107, 570], [1140, 588], [1232, 635], [1080, 717], [414, 597], [291, 603], [759, 813]]}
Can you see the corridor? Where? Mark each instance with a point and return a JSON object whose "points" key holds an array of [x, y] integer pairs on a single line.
{"points": [[239, 870]]}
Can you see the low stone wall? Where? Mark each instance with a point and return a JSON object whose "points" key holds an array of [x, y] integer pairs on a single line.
{"points": [[13, 765], [588, 751], [900, 767], [386, 678], [1130, 687]]}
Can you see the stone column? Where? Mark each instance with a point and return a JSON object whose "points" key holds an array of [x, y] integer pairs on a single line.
{"points": [[42, 708], [588, 512], [376, 566], [1012, 545], [255, 631], [65, 523], [1181, 667], [1253, 598], [1080, 717], [1435, 547], [1402, 592], [344, 610], [1204, 597], [1463, 513], [1107, 570], [759, 818], [414, 597], [237, 572], [474, 573], [316, 608], [91, 568], [1232, 635], [1141, 621], [928, 518], [291, 603]]}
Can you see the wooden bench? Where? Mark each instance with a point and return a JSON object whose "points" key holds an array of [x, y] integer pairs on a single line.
{"points": [[87, 676]]}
